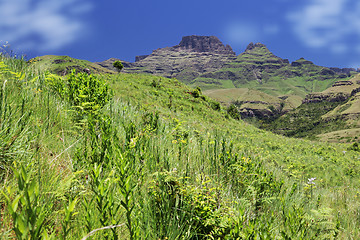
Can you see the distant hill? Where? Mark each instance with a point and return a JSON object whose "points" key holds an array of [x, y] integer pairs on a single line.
{"points": [[63, 65]]}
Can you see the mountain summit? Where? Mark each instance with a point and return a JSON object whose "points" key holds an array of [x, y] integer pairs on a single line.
{"points": [[252, 46]]}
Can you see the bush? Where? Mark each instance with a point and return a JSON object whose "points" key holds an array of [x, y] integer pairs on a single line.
{"points": [[86, 93], [118, 65], [233, 112], [196, 93], [215, 105]]}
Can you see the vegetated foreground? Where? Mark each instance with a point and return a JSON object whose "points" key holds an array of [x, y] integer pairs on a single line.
{"points": [[131, 156]]}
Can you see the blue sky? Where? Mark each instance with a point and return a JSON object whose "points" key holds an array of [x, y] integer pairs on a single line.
{"points": [[326, 32]]}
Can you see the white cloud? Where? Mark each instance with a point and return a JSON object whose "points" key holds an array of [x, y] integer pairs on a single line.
{"points": [[327, 24], [42, 25]]}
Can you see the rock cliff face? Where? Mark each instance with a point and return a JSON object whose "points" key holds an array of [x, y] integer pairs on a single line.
{"points": [[193, 56], [209, 44]]}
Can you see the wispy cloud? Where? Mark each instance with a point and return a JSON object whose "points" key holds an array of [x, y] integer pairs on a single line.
{"points": [[239, 34], [42, 25], [331, 24]]}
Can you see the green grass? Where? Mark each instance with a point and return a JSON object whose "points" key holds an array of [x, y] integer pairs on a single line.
{"points": [[63, 65], [158, 162]]}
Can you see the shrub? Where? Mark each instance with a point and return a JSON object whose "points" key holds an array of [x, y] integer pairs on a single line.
{"points": [[215, 105], [87, 93], [196, 93], [233, 112], [118, 65]]}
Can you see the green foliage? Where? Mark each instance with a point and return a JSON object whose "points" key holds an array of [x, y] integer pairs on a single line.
{"points": [[27, 209], [14, 118], [88, 93], [354, 147], [118, 65], [198, 209], [69, 214], [233, 111], [63, 65], [306, 121], [196, 93], [85, 92]]}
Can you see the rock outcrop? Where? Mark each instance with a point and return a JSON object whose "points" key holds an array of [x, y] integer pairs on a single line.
{"points": [[141, 57], [210, 44], [193, 56], [345, 71]]}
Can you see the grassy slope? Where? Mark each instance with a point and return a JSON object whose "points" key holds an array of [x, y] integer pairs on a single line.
{"points": [[326, 119], [62, 64], [196, 113], [52, 135], [254, 99]]}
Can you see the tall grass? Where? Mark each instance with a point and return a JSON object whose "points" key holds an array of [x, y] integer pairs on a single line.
{"points": [[80, 166]]}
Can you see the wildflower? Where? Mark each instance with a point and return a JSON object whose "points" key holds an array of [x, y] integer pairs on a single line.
{"points": [[311, 181]]}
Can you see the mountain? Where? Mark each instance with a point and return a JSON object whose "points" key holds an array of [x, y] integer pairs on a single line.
{"points": [[259, 68], [193, 56]]}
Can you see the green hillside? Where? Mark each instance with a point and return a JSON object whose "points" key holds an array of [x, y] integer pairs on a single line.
{"points": [[63, 65], [250, 100], [259, 69], [331, 115], [128, 156], [273, 80]]}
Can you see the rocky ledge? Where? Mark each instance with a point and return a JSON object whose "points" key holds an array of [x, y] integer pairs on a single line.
{"points": [[329, 97]]}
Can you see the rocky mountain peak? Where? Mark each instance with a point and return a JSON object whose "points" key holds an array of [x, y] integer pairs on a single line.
{"points": [[209, 44], [253, 46]]}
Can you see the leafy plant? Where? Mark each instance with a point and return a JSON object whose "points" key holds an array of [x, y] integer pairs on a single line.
{"points": [[118, 65], [27, 208]]}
